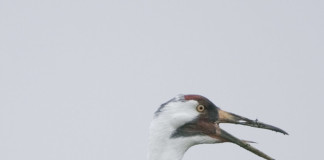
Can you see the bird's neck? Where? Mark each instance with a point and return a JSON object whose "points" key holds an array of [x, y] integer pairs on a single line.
{"points": [[161, 148]]}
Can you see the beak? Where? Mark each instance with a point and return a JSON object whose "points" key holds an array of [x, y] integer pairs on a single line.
{"points": [[226, 117]]}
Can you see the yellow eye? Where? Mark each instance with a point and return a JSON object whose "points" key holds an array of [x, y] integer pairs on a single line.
{"points": [[200, 108]]}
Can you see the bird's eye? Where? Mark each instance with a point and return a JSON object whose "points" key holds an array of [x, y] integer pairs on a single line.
{"points": [[200, 108]]}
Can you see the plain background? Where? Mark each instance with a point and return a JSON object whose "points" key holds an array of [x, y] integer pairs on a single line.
{"points": [[80, 80]]}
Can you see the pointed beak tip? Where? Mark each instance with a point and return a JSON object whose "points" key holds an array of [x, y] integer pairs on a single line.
{"points": [[227, 117], [280, 131]]}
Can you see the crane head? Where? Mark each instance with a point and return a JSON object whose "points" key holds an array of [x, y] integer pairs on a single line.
{"points": [[196, 119]]}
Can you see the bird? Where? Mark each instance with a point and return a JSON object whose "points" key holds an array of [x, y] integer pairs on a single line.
{"points": [[188, 120]]}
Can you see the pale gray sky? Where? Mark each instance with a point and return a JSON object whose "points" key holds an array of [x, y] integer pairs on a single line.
{"points": [[80, 80]]}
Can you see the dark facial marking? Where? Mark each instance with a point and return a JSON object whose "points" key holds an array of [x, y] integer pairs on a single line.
{"points": [[203, 124], [194, 128]]}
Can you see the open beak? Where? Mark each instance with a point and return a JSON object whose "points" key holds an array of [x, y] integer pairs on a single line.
{"points": [[226, 117]]}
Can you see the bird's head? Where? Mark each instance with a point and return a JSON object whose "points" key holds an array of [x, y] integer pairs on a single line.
{"points": [[196, 119]]}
